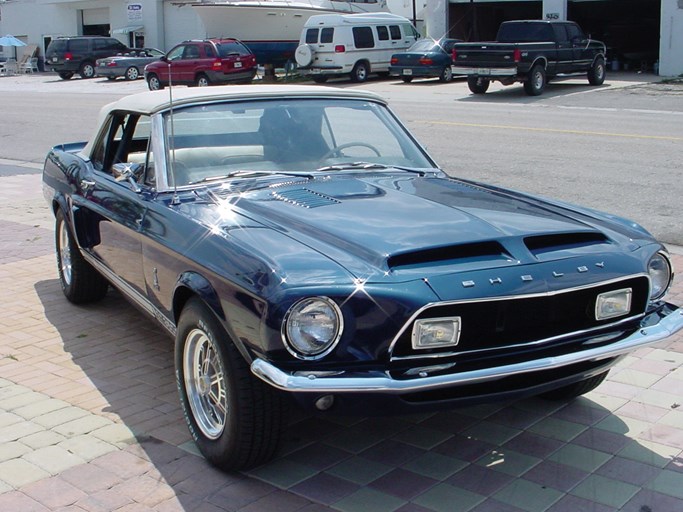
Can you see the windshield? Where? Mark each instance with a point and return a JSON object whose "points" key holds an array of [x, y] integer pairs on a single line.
{"points": [[221, 140], [424, 45]]}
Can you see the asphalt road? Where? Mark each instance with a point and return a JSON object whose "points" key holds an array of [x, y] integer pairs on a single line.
{"points": [[616, 148]]}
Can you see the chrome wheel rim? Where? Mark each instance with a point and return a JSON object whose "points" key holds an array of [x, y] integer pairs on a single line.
{"points": [[447, 74], [154, 83], [600, 71], [205, 383], [202, 82], [132, 74], [64, 254], [538, 80], [88, 71]]}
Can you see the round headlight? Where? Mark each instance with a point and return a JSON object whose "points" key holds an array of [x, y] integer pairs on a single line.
{"points": [[659, 269], [312, 327]]}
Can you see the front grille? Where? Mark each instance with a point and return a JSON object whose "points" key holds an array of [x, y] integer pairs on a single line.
{"points": [[499, 323]]}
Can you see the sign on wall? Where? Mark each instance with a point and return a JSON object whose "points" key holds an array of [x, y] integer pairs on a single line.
{"points": [[134, 12]]}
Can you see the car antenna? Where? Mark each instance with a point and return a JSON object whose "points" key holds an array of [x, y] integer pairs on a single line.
{"points": [[175, 200]]}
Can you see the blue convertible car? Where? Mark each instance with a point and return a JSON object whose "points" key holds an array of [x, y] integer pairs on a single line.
{"points": [[292, 255]]}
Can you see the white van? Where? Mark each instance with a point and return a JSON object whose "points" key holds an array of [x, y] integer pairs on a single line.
{"points": [[352, 44]]}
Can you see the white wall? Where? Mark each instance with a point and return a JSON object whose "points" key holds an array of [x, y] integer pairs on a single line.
{"points": [[671, 38], [555, 10]]}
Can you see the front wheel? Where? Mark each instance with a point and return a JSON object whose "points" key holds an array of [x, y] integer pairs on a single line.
{"points": [[477, 84], [87, 70], [446, 74], [360, 72], [80, 282], [132, 73], [153, 83], [235, 418], [535, 83], [596, 73], [577, 389]]}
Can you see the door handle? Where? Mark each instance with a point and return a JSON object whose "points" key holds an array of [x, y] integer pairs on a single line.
{"points": [[86, 185]]}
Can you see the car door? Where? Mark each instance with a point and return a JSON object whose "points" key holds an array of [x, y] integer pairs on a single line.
{"points": [[582, 55], [117, 207], [565, 51], [174, 60]]}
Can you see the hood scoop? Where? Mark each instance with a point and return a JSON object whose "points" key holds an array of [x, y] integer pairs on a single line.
{"points": [[546, 247], [475, 253], [304, 197]]}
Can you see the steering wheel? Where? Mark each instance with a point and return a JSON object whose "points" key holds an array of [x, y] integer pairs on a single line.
{"points": [[337, 150]]}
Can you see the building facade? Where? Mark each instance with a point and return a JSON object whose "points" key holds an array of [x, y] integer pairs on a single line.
{"points": [[645, 34]]}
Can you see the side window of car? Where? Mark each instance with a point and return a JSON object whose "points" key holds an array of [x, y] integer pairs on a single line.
{"points": [[78, 46], [209, 51], [100, 44], [176, 53], [191, 52], [561, 33], [312, 36], [382, 33], [395, 31], [574, 32], [327, 35], [97, 155], [363, 38]]}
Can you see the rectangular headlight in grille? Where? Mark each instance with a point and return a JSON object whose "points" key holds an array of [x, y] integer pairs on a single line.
{"points": [[613, 304], [436, 333]]}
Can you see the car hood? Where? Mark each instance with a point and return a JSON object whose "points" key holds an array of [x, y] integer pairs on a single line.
{"points": [[407, 226]]}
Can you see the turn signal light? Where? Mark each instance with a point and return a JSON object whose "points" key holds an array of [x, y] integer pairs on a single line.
{"points": [[517, 55], [454, 54], [426, 61], [68, 56], [217, 64], [394, 61], [340, 48]]}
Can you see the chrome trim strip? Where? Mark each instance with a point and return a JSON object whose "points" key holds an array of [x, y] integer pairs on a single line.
{"points": [[382, 382], [417, 313], [140, 300]]}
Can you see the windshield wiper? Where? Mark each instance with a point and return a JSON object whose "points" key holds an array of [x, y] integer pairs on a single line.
{"points": [[368, 165], [247, 172]]}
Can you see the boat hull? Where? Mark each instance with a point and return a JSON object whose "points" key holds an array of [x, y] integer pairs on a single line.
{"points": [[270, 29]]}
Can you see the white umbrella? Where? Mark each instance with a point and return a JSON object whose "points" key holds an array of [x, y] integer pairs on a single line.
{"points": [[10, 40]]}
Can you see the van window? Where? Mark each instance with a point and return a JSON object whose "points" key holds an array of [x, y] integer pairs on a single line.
{"points": [[363, 38], [327, 35], [395, 31], [382, 33], [312, 36]]}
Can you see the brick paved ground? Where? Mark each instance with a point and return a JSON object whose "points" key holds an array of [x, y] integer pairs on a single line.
{"points": [[90, 421]]}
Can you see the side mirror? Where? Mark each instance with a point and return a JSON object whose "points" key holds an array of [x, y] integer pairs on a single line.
{"points": [[130, 172]]}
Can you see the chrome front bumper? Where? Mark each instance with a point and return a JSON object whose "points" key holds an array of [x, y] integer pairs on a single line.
{"points": [[382, 382]]}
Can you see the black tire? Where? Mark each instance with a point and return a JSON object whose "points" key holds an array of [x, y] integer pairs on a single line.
{"points": [[360, 72], [202, 80], [65, 75], [536, 81], [320, 79], [81, 283], [235, 419], [407, 79], [111, 78], [87, 70], [153, 82], [446, 75], [597, 72], [132, 73], [577, 389], [477, 84]]}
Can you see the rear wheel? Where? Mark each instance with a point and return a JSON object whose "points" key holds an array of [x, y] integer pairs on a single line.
{"points": [[446, 74], [577, 389], [87, 70], [235, 418], [407, 79], [535, 83], [65, 75], [80, 282], [360, 72], [153, 83], [132, 73], [477, 84], [596, 73], [202, 81]]}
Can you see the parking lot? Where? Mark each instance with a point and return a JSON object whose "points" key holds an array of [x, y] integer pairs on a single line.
{"points": [[89, 414]]}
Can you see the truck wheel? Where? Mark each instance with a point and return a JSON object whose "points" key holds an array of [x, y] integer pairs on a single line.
{"points": [[80, 282], [536, 81], [407, 79], [360, 72], [236, 419], [477, 84], [577, 389], [446, 74], [596, 73]]}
